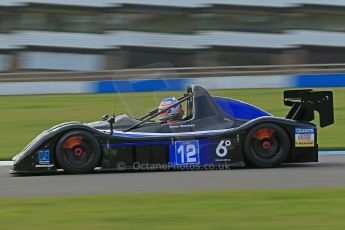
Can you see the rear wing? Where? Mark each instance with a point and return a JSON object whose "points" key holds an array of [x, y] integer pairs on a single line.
{"points": [[304, 102]]}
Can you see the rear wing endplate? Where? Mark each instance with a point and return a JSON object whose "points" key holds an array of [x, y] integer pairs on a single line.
{"points": [[304, 102]]}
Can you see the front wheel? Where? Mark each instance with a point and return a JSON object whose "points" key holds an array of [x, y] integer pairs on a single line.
{"points": [[266, 145], [78, 152]]}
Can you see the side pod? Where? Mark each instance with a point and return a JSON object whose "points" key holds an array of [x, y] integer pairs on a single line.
{"points": [[304, 102]]}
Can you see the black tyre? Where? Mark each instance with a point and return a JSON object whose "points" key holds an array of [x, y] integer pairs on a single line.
{"points": [[266, 145], [78, 152]]}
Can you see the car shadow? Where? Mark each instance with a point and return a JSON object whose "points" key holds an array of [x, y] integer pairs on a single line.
{"points": [[131, 171]]}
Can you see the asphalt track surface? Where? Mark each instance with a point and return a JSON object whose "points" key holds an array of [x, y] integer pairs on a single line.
{"points": [[329, 172]]}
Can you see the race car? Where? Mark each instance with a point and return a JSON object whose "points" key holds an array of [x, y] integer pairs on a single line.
{"points": [[216, 132]]}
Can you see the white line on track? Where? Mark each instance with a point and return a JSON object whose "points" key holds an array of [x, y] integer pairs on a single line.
{"points": [[6, 163], [338, 152]]}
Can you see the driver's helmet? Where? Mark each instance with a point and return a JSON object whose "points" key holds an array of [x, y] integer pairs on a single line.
{"points": [[173, 114]]}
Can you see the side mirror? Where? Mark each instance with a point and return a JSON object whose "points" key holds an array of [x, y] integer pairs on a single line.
{"points": [[111, 121]]}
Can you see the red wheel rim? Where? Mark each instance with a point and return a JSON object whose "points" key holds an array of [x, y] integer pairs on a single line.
{"points": [[264, 133], [77, 150]]}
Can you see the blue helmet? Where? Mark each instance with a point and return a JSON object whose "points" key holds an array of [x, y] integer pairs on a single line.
{"points": [[175, 113]]}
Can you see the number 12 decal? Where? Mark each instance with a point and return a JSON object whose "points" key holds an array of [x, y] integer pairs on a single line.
{"points": [[187, 152]]}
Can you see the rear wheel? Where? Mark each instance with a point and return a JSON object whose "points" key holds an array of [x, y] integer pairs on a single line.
{"points": [[266, 145], [78, 152]]}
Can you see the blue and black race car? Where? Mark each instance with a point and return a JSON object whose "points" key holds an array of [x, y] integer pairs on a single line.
{"points": [[216, 132]]}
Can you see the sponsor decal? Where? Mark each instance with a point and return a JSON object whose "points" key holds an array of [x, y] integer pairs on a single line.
{"points": [[44, 166], [44, 157], [222, 150], [304, 137]]}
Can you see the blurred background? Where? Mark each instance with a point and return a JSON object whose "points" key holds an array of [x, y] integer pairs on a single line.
{"points": [[87, 35], [77, 50]]}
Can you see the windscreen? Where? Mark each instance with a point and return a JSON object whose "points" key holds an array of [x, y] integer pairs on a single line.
{"points": [[141, 90]]}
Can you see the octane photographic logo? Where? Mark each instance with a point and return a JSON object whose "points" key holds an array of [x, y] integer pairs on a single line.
{"points": [[304, 137], [121, 166]]}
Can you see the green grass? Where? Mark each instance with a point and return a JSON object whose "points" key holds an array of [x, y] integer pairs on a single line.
{"points": [[236, 209], [23, 117]]}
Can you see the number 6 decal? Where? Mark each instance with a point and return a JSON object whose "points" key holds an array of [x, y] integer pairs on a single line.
{"points": [[222, 148]]}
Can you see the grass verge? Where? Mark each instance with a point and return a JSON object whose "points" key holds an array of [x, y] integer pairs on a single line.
{"points": [[236, 209]]}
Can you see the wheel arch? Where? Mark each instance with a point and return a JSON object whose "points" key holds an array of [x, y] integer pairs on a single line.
{"points": [[58, 137], [284, 127]]}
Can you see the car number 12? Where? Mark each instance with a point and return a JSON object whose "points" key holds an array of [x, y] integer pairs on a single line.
{"points": [[187, 152]]}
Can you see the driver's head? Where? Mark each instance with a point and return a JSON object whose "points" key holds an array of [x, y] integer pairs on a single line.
{"points": [[173, 114]]}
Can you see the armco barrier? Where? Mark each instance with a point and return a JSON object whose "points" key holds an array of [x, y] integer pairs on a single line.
{"points": [[142, 85], [320, 80], [181, 83], [23, 88]]}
